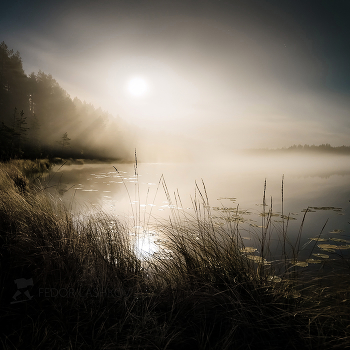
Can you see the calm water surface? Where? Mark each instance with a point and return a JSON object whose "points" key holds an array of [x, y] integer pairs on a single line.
{"points": [[320, 182]]}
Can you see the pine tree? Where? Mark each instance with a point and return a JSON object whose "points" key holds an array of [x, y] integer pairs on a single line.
{"points": [[64, 141], [19, 123]]}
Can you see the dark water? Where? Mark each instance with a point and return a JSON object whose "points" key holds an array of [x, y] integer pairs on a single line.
{"points": [[233, 188]]}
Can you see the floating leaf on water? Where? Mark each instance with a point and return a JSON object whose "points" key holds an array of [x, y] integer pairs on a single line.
{"points": [[318, 239], [323, 208], [308, 210], [328, 250], [246, 238], [275, 279], [327, 246], [258, 259], [339, 240], [248, 250], [287, 217], [313, 261], [324, 256], [336, 231], [226, 209], [301, 263], [333, 246], [234, 218], [268, 214], [343, 247], [244, 212]]}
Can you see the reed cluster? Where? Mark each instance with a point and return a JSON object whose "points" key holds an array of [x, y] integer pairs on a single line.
{"points": [[85, 287]]}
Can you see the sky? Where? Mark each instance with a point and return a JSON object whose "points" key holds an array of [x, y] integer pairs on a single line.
{"points": [[215, 74]]}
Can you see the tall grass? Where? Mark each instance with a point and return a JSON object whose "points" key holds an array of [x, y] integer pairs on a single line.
{"points": [[92, 291]]}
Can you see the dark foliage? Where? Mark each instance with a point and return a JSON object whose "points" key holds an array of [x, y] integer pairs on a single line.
{"points": [[36, 113]]}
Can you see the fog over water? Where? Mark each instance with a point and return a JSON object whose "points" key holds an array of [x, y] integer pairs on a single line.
{"points": [[189, 85], [234, 186]]}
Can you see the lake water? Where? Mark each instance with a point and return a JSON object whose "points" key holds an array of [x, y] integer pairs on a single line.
{"points": [[320, 182]]}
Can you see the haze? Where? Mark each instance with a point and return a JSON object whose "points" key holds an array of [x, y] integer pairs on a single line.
{"points": [[218, 75]]}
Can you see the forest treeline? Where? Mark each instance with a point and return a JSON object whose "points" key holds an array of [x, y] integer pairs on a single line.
{"points": [[323, 148], [39, 119]]}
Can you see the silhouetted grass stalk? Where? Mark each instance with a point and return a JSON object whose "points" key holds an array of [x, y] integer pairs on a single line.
{"points": [[202, 292]]}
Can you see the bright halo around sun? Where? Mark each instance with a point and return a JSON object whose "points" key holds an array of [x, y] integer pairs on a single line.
{"points": [[137, 86]]}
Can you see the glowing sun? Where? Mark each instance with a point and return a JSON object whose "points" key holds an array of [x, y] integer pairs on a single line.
{"points": [[137, 86]]}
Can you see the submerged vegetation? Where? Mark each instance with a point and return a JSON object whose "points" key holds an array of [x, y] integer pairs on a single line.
{"points": [[81, 284]]}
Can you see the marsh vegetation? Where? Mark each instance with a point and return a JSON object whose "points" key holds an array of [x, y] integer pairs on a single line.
{"points": [[203, 289]]}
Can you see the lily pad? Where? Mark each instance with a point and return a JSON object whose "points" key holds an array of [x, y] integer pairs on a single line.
{"points": [[328, 250], [313, 261], [339, 240], [258, 259], [323, 208], [336, 231], [327, 246], [324, 256], [333, 246], [269, 214], [248, 250], [301, 263], [318, 239]]}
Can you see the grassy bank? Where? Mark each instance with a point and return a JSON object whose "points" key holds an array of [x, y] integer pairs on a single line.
{"points": [[80, 285]]}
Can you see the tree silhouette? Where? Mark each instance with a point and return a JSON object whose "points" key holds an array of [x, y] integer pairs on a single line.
{"points": [[51, 112], [64, 142]]}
